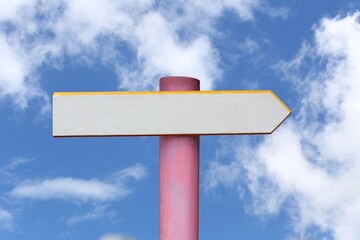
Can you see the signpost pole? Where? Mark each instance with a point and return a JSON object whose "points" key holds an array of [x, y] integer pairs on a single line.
{"points": [[179, 175]]}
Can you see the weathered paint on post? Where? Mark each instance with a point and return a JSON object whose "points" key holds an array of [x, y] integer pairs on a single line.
{"points": [[179, 175]]}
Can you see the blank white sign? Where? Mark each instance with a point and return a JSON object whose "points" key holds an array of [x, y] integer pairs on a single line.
{"points": [[167, 113]]}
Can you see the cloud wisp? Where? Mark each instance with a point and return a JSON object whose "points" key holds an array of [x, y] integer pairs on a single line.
{"points": [[99, 212], [116, 237], [6, 220], [16, 162], [139, 40], [74, 189], [309, 167]]}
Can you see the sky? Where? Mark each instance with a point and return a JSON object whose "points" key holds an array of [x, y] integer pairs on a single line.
{"points": [[299, 183]]}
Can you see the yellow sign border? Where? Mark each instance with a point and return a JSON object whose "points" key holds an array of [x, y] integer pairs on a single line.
{"points": [[64, 94]]}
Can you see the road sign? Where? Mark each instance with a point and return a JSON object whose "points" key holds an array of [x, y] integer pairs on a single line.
{"points": [[167, 113], [179, 114]]}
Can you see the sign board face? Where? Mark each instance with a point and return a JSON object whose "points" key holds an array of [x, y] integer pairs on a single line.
{"points": [[167, 113]]}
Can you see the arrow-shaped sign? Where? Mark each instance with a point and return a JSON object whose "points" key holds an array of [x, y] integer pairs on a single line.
{"points": [[167, 113], [179, 113]]}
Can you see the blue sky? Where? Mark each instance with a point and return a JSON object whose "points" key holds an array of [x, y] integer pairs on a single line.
{"points": [[301, 182]]}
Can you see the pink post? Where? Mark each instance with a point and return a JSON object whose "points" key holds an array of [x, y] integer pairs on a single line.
{"points": [[179, 175]]}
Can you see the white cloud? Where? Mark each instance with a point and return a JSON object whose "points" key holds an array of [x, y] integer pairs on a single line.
{"points": [[310, 166], [13, 75], [243, 8], [99, 212], [112, 188], [164, 53], [6, 220], [249, 45], [9, 10], [16, 162], [116, 237], [67, 188], [140, 40], [7, 177]]}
